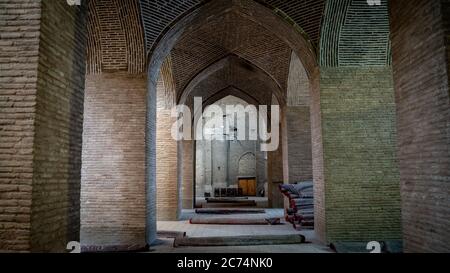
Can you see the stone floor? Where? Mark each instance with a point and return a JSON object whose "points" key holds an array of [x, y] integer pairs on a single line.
{"points": [[166, 245]]}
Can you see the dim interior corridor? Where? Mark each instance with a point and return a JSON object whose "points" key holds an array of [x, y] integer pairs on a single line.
{"points": [[115, 134]]}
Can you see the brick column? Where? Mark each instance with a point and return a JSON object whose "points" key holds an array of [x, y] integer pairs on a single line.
{"points": [[41, 106], [113, 197], [299, 143], [421, 54], [167, 187], [20, 43], [359, 168]]}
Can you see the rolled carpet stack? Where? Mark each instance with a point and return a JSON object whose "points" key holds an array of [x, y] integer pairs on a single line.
{"points": [[301, 203]]}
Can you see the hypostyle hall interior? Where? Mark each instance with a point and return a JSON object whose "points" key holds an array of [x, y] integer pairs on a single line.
{"points": [[348, 101]]}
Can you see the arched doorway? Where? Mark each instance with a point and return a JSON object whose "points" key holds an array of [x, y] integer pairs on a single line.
{"points": [[226, 157], [236, 11]]}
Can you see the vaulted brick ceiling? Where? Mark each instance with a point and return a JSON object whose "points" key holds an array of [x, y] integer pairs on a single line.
{"points": [[237, 74], [355, 34], [347, 32], [115, 37], [344, 32], [158, 15], [227, 34], [230, 33]]}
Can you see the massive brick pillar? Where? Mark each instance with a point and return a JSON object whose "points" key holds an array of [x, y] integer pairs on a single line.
{"points": [[357, 184], [361, 180], [113, 201], [298, 123], [113, 174], [41, 106], [299, 143], [168, 186], [421, 54]]}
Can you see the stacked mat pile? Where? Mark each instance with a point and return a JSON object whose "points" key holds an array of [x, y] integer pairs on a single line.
{"points": [[301, 204]]}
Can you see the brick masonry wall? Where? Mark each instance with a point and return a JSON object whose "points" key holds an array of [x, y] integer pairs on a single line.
{"points": [[317, 158], [298, 123], [113, 198], [299, 143], [19, 50], [55, 218], [166, 168], [362, 194], [298, 85], [421, 69], [168, 190], [42, 94]]}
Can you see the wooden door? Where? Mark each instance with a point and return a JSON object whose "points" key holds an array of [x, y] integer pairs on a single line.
{"points": [[243, 185], [251, 187], [248, 186]]}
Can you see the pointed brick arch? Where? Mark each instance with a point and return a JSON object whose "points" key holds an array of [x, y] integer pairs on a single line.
{"points": [[251, 10], [160, 17], [235, 71]]}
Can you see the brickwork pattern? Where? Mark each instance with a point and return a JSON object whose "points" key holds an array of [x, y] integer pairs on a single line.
{"points": [[116, 37], [421, 69], [55, 216], [19, 54], [229, 34], [248, 80], [167, 188], [304, 14], [317, 159], [160, 15], [298, 85], [299, 144], [362, 192], [41, 105], [113, 173], [298, 123], [44, 90], [355, 34]]}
